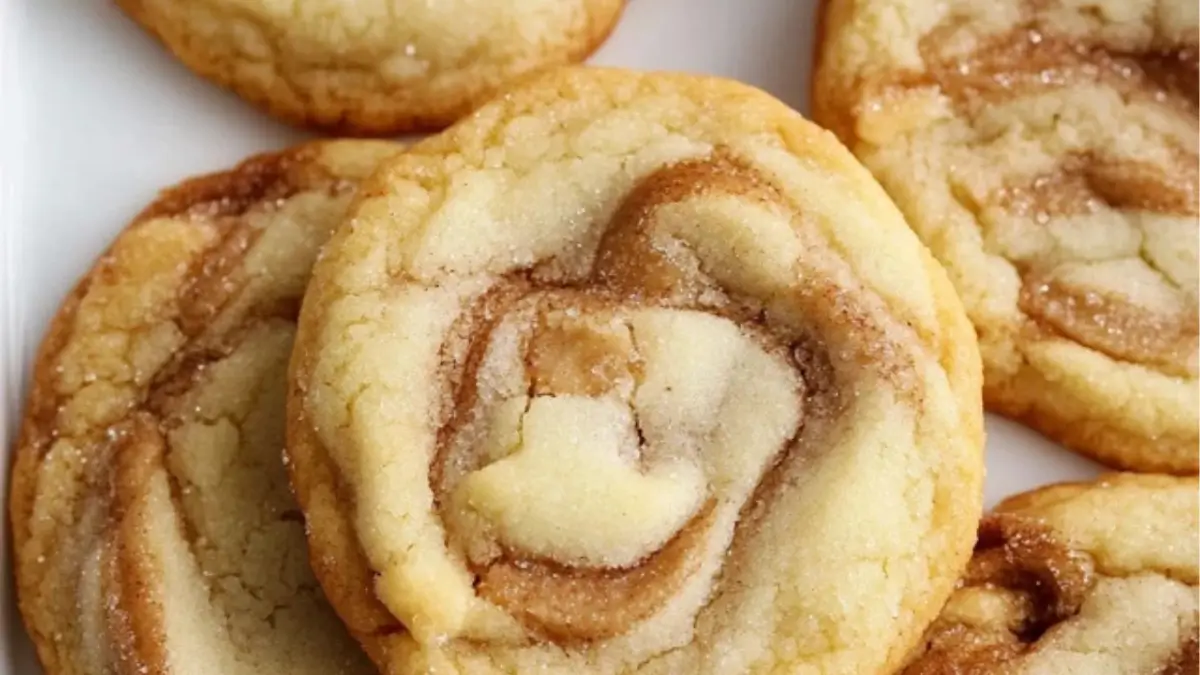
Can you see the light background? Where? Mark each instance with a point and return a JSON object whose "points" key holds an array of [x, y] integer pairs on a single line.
{"points": [[95, 118]]}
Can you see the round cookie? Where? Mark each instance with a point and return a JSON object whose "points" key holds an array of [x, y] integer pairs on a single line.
{"points": [[1097, 578], [374, 68], [634, 373], [153, 528], [1047, 153]]}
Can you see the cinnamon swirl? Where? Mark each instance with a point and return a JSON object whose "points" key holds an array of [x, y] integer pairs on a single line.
{"points": [[633, 373]]}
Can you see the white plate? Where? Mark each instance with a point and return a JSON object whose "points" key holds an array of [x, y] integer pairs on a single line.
{"points": [[95, 118]]}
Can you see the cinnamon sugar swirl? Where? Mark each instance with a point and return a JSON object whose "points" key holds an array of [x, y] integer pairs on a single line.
{"points": [[634, 373]]}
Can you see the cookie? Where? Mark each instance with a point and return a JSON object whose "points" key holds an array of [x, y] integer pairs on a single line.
{"points": [[373, 68], [634, 373], [153, 528], [1047, 154], [1097, 578]]}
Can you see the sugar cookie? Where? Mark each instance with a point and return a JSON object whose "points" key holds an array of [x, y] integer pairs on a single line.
{"points": [[153, 527], [1047, 153], [1097, 578], [374, 68], [634, 373]]}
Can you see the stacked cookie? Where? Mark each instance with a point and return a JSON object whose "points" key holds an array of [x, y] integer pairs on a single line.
{"points": [[636, 373]]}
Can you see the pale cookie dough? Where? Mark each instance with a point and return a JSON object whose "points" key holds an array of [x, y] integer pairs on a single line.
{"points": [[153, 528], [1078, 579], [379, 67], [634, 373], [1047, 153]]}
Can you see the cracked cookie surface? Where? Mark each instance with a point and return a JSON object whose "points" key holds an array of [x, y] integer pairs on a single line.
{"points": [[634, 373], [1097, 578], [1045, 150], [154, 531], [374, 68]]}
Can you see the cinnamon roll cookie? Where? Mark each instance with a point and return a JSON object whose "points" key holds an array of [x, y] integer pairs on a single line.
{"points": [[634, 373], [1047, 152], [1096, 578], [153, 527], [373, 68]]}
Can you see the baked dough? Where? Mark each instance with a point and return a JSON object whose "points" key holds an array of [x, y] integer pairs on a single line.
{"points": [[1097, 578], [152, 523], [1047, 153], [374, 68], [634, 373]]}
